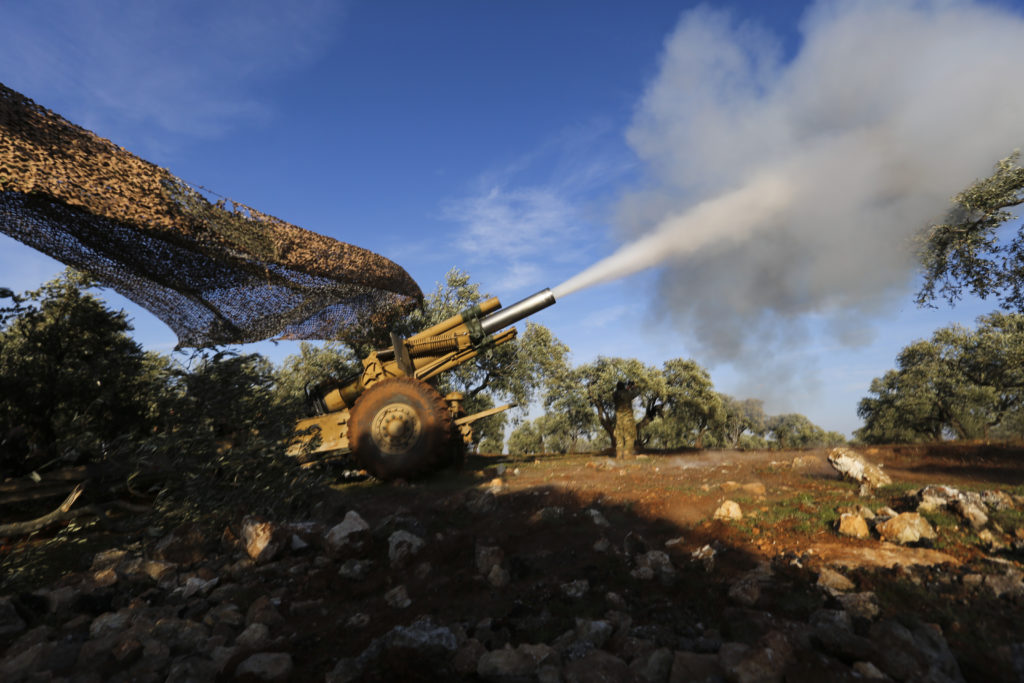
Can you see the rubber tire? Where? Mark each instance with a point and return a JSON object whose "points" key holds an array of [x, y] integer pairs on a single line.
{"points": [[431, 447]]}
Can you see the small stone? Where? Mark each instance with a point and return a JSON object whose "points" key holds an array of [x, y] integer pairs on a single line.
{"points": [[693, 666], [358, 620], [109, 623], [998, 500], [487, 557], [706, 556], [254, 636], [853, 525], [260, 539], [548, 514], [498, 576], [860, 605], [266, 666], [355, 569], [745, 592], [729, 510], [398, 597], [971, 513], [832, 580], [596, 665], [339, 535], [403, 546], [754, 488], [575, 589], [904, 528], [868, 670], [597, 518]]}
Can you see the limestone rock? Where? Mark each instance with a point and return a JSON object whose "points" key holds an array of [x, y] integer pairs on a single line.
{"points": [[851, 524], [187, 544], [754, 488], [340, 535], [654, 563], [254, 636], [266, 666], [398, 597], [937, 496], [511, 664], [745, 664], [832, 580], [692, 666], [906, 527], [261, 539], [729, 510], [852, 465], [487, 556], [921, 654], [597, 517], [597, 666], [403, 546], [575, 589], [860, 605], [355, 569], [971, 512], [998, 500]]}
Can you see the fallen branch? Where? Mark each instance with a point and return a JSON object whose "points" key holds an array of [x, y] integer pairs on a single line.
{"points": [[60, 514]]}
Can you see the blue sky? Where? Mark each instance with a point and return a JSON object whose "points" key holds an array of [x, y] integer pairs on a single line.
{"points": [[519, 141]]}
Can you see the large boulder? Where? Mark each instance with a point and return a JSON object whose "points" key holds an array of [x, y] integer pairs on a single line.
{"points": [[853, 465]]}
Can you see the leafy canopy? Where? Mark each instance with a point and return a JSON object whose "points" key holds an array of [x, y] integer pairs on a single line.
{"points": [[962, 383], [967, 253]]}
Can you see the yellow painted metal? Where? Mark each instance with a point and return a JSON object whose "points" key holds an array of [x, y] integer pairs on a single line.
{"points": [[332, 429]]}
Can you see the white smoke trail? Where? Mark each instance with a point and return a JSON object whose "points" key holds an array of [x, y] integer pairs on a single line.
{"points": [[759, 203], [781, 189]]}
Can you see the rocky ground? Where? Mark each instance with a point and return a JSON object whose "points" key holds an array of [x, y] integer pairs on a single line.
{"points": [[679, 567]]}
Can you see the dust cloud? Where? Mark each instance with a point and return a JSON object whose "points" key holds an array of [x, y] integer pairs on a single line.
{"points": [[785, 186]]}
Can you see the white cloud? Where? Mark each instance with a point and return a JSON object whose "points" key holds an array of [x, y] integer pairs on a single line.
{"points": [[542, 211]]}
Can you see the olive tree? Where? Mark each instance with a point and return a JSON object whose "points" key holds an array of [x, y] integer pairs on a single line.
{"points": [[967, 251], [72, 381], [962, 383]]}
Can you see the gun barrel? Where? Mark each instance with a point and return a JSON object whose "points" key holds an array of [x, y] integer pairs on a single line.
{"points": [[510, 315]]}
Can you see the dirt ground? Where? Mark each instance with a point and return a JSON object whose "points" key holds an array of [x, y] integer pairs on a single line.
{"points": [[538, 511]]}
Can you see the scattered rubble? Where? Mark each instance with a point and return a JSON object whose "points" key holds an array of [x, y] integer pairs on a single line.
{"points": [[638, 603]]}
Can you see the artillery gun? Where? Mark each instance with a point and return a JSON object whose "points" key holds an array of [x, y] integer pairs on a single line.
{"points": [[390, 416]]}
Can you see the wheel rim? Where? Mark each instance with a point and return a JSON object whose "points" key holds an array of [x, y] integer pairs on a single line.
{"points": [[395, 429]]}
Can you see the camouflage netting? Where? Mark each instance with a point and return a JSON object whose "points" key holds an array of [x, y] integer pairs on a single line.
{"points": [[215, 272]]}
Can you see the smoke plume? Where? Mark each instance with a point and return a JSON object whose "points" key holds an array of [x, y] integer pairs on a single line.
{"points": [[788, 185]]}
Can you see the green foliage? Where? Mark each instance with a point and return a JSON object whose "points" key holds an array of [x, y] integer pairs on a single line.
{"points": [[224, 434], [966, 384], [691, 401], [310, 366], [206, 437], [587, 392], [525, 439], [967, 253], [744, 424], [793, 431], [72, 382]]}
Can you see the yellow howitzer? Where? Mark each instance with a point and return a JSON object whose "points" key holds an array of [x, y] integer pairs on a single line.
{"points": [[389, 415]]}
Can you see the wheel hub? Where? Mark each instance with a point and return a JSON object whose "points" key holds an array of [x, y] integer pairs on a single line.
{"points": [[395, 429]]}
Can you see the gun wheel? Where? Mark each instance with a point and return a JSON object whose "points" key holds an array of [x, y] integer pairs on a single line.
{"points": [[400, 427]]}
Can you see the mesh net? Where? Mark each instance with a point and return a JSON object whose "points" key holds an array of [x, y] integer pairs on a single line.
{"points": [[217, 272]]}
